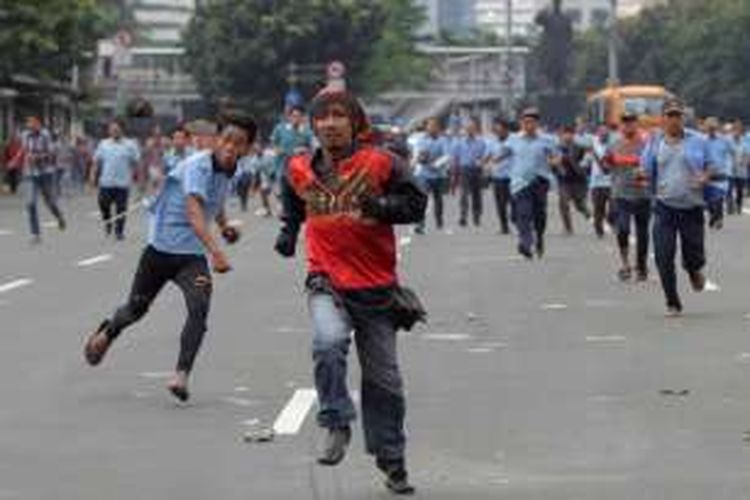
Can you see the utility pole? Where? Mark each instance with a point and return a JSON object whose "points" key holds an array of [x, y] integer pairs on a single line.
{"points": [[614, 73], [508, 58]]}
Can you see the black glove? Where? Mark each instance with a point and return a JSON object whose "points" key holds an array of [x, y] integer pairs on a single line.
{"points": [[286, 243], [230, 234]]}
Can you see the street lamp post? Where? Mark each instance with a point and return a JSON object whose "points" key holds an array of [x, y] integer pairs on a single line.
{"points": [[614, 76]]}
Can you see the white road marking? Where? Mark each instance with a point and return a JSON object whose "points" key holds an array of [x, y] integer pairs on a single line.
{"points": [[606, 338], [449, 337], [95, 260], [746, 211], [480, 350], [241, 388], [554, 307], [291, 329], [744, 357], [156, 375], [712, 287], [251, 422], [12, 285], [49, 223], [6, 232], [293, 415]]}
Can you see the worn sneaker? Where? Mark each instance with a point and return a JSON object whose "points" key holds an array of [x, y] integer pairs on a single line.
{"points": [[396, 477], [97, 345], [336, 443], [698, 281]]}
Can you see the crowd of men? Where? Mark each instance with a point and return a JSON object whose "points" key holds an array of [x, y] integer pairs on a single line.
{"points": [[325, 170], [617, 177]]}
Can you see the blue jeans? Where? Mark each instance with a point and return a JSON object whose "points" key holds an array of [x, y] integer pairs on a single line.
{"points": [[382, 393], [531, 213], [44, 185], [689, 224]]}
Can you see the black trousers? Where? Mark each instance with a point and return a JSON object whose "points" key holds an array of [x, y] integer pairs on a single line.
{"points": [[600, 196], [435, 187], [636, 211], [736, 195], [689, 224], [118, 197], [471, 189], [190, 273], [503, 202]]}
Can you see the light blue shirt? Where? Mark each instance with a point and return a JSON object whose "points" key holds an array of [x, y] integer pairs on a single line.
{"points": [[741, 156], [499, 154], [529, 158], [117, 160], [468, 152], [722, 159], [172, 158], [674, 168], [431, 153], [169, 228]]}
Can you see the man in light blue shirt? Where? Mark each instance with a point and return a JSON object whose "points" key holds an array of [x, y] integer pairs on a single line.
{"points": [[740, 165], [179, 240], [678, 162], [722, 158], [115, 159], [179, 150], [469, 153], [500, 163], [530, 153], [432, 154]]}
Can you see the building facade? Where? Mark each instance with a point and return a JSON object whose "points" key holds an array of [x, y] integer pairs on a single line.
{"points": [[150, 65]]}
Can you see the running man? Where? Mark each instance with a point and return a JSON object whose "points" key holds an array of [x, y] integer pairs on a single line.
{"points": [[499, 164], [722, 158], [433, 165], [179, 239], [351, 195], [631, 197], [115, 161], [39, 175], [531, 154], [678, 162], [572, 178]]}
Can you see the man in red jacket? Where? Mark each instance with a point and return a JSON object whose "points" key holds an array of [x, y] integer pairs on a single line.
{"points": [[350, 195]]}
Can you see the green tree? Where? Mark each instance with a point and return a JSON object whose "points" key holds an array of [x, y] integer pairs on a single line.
{"points": [[242, 49], [45, 39], [699, 49]]}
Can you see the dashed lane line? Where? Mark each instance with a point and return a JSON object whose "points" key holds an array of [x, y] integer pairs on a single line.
{"points": [[13, 285], [95, 260], [291, 418]]}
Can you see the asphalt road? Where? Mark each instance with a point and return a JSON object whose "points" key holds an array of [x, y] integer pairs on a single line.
{"points": [[533, 380]]}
